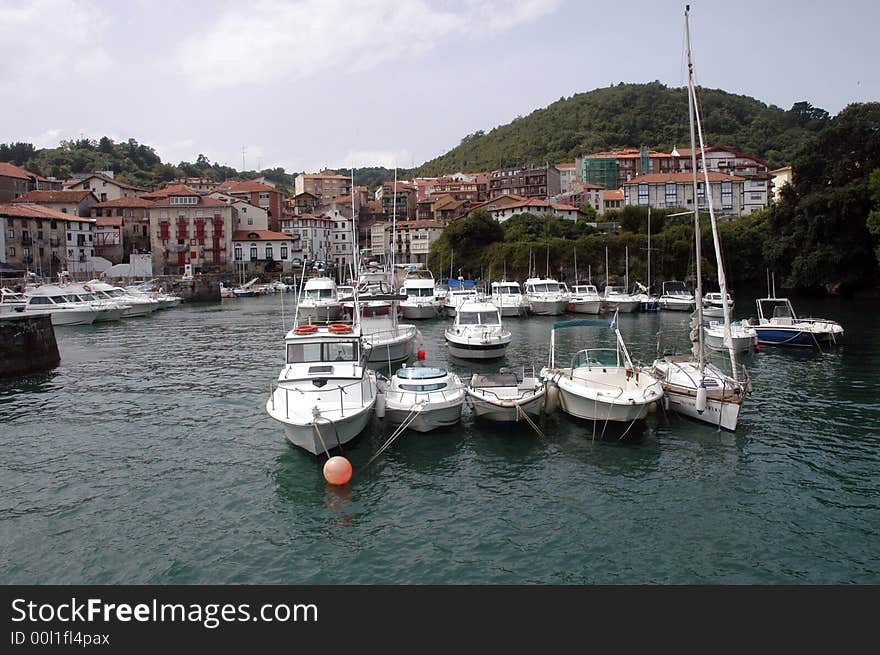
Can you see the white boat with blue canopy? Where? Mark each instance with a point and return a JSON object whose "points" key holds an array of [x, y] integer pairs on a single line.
{"points": [[600, 384]]}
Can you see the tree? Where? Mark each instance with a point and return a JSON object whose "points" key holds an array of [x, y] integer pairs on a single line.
{"points": [[873, 222], [463, 242]]}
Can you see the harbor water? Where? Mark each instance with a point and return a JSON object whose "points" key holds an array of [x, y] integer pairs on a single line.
{"points": [[147, 457]]}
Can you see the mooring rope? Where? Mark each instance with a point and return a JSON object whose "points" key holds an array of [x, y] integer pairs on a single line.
{"points": [[400, 429]]}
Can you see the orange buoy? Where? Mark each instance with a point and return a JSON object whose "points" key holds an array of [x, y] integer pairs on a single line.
{"points": [[337, 328], [337, 470], [421, 354], [306, 329]]}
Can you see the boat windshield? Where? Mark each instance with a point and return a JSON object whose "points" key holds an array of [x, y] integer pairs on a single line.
{"points": [[595, 357], [478, 318], [586, 289], [545, 288], [507, 290], [420, 293], [333, 351], [59, 300], [319, 294], [421, 373], [614, 291], [675, 289], [436, 386]]}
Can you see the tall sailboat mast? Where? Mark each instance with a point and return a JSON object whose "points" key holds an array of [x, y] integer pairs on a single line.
{"points": [[356, 254], [699, 286], [393, 223], [722, 278]]}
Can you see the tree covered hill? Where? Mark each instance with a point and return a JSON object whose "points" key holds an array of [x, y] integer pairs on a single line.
{"points": [[632, 115]]}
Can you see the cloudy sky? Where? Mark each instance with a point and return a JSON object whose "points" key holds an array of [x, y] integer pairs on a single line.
{"points": [[306, 84]]}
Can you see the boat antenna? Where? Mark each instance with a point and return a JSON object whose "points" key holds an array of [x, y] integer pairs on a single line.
{"points": [[575, 265], [548, 259], [722, 278], [626, 270], [393, 223], [606, 266], [698, 295], [649, 251], [774, 284]]}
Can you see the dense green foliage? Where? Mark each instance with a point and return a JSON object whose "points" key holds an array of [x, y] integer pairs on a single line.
{"points": [[632, 115], [822, 236], [139, 164]]}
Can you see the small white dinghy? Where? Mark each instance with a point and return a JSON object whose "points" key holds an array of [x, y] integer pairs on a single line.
{"points": [[423, 398], [505, 396]]}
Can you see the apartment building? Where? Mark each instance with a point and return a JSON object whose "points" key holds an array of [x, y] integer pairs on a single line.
{"points": [[122, 228], [326, 184], [40, 239], [105, 188], [676, 190], [537, 182], [75, 203]]}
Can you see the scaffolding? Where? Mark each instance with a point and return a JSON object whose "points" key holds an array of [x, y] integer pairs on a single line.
{"points": [[601, 171]]}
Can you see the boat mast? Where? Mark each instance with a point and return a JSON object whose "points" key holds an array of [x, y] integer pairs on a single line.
{"points": [[575, 265], [626, 273], [356, 319], [606, 267], [699, 287], [722, 278], [393, 224], [649, 252]]}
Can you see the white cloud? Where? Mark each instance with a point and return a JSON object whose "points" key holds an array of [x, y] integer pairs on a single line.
{"points": [[271, 40], [386, 158], [46, 40]]}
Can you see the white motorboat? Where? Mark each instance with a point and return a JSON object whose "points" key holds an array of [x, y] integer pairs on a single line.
{"points": [[545, 297], [324, 395], [11, 301], [676, 297], [226, 292], [647, 301], [477, 332], [743, 337], [386, 341], [585, 299], [617, 298], [422, 397], [418, 287], [508, 298], [138, 304], [106, 310], [778, 325], [600, 384], [319, 301], [712, 305], [455, 296], [693, 386], [505, 396], [52, 300]]}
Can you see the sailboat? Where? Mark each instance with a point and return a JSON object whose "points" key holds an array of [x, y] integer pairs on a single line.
{"points": [[692, 385], [324, 395], [647, 302], [617, 298]]}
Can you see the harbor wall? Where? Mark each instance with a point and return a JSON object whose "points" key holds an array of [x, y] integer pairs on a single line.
{"points": [[27, 345], [200, 288]]}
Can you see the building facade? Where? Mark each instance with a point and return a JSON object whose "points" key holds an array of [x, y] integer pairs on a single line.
{"points": [[123, 228], [46, 241], [262, 251], [315, 234], [539, 182], [260, 195], [75, 203], [326, 184], [189, 228], [105, 188], [676, 190]]}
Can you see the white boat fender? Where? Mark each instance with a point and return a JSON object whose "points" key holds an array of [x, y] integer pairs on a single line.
{"points": [[551, 403], [380, 405], [701, 398]]}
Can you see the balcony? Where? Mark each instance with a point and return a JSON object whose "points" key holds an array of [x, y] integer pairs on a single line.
{"points": [[26, 240]]}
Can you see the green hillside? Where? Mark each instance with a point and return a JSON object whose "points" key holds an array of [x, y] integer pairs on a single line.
{"points": [[632, 115]]}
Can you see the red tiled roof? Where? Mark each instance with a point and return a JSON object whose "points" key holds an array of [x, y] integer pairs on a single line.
{"points": [[262, 235], [418, 224], [173, 190], [119, 183], [612, 194], [32, 210], [11, 170], [126, 202], [536, 202], [109, 221], [54, 196], [330, 175], [658, 178], [568, 164], [246, 185]]}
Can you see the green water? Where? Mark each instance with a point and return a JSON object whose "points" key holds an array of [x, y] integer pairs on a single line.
{"points": [[147, 457]]}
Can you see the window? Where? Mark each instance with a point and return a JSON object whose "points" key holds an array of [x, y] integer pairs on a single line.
{"points": [[250, 221], [283, 252], [643, 194], [10, 233], [671, 194], [12, 251], [39, 235], [701, 194], [103, 197], [237, 253], [68, 236], [269, 252], [726, 195], [64, 210], [253, 252]]}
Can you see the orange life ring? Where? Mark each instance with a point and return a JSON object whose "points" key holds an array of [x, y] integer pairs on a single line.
{"points": [[338, 328], [306, 329]]}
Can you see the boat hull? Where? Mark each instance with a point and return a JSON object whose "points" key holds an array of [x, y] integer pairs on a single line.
{"points": [[138, 309], [428, 418], [547, 307], [393, 350], [675, 305], [418, 311], [105, 315], [717, 413], [623, 306], [740, 344], [777, 336], [476, 350], [585, 306], [71, 317], [338, 433], [598, 410], [505, 410]]}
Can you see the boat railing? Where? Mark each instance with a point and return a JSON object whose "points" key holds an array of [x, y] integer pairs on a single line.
{"points": [[366, 395], [452, 389], [523, 393]]}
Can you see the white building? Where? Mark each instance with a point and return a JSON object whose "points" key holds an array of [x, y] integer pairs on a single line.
{"points": [[315, 235], [250, 217], [105, 188], [533, 206], [781, 177], [676, 190], [262, 251]]}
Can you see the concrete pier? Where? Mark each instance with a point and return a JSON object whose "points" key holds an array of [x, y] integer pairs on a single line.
{"points": [[27, 344]]}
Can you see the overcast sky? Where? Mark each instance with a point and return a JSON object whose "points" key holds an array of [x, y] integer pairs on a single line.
{"points": [[312, 83]]}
